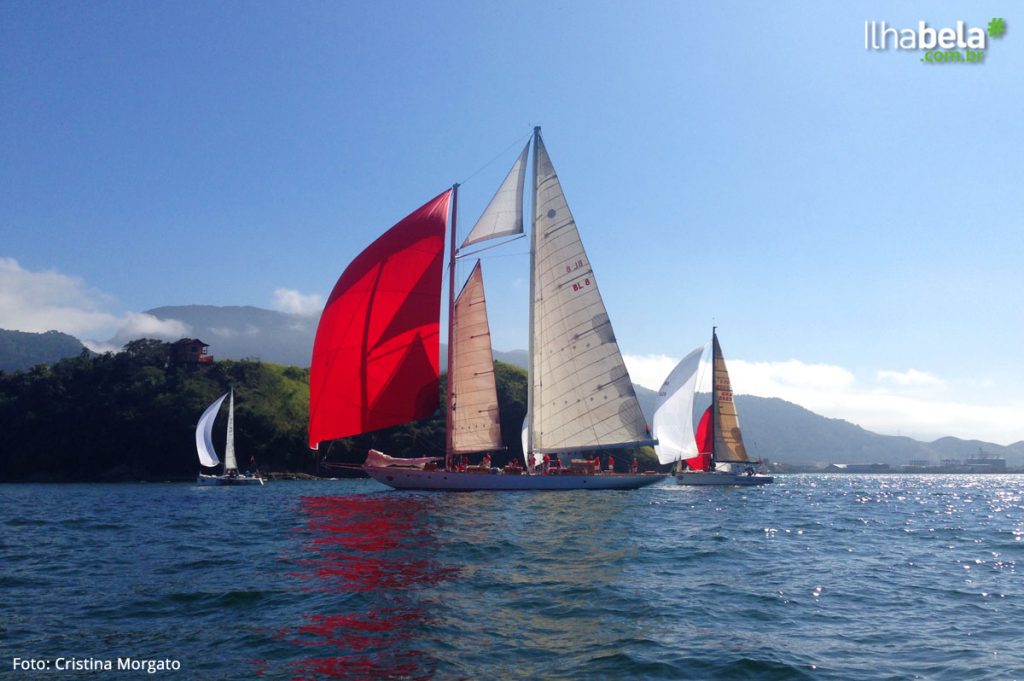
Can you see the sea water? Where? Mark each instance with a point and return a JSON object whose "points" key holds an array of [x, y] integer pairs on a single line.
{"points": [[813, 577]]}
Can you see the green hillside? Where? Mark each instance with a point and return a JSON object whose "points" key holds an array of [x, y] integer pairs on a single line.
{"points": [[21, 349]]}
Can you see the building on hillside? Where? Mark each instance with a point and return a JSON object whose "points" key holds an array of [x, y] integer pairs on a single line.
{"points": [[190, 351]]}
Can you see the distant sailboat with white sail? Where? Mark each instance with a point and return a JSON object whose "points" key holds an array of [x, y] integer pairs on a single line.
{"points": [[208, 455], [715, 453], [375, 357]]}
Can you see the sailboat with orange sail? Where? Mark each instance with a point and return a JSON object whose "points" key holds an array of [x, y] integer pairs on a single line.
{"points": [[715, 453], [376, 352]]}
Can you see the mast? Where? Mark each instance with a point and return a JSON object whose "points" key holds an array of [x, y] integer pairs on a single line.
{"points": [[714, 397], [448, 403], [531, 368]]}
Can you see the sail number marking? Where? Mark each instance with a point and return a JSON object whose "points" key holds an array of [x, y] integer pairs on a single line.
{"points": [[581, 285], [578, 265], [725, 396]]}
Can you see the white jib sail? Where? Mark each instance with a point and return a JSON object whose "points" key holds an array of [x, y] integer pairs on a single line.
{"points": [[504, 214], [204, 434], [673, 418], [475, 424], [582, 395], [229, 446]]}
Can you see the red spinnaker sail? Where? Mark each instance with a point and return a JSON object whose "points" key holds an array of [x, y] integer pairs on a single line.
{"points": [[705, 443], [375, 357]]}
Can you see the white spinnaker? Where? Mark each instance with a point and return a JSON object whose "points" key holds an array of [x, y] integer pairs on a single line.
{"points": [[583, 398], [504, 214], [204, 434], [475, 422], [673, 418]]}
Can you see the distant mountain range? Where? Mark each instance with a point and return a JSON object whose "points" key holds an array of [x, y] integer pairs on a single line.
{"points": [[773, 428]]}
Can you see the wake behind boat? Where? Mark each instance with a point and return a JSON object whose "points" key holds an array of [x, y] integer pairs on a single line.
{"points": [[375, 356], [207, 454], [714, 455]]}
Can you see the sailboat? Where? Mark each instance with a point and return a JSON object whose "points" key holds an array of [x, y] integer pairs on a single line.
{"points": [[207, 454], [375, 356], [715, 454]]}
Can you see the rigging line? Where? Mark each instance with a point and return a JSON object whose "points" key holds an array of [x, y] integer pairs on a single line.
{"points": [[487, 248], [504, 151]]}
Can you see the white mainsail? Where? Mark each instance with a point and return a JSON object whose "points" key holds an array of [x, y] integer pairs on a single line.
{"points": [[581, 395], [229, 446], [504, 214], [673, 418], [204, 434], [475, 424]]}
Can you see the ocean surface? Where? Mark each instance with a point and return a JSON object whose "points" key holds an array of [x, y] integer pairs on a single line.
{"points": [[814, 577]]}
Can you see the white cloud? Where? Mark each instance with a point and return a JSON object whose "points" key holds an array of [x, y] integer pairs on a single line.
{"points": [[910, 377], [293, 302], [41, 301], [650, 371], [142, 325]]}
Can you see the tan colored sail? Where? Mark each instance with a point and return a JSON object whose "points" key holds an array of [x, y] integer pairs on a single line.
{"points": [[475, 425], [582, 397], [728, 438]]}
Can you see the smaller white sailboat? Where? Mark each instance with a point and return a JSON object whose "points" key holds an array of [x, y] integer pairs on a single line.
{"points": [[208, 455], [715, 454]]}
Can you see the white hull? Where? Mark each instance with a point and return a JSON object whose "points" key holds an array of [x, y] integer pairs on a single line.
{"points": [[721, 479], [413, 478], [228, 480]]}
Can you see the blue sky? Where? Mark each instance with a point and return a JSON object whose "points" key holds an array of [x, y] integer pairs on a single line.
{"points": [[850, 219]]}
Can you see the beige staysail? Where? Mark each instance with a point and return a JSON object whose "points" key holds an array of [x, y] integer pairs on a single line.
{"points": [[475, 425], [504, 214], [728, 439], [581, 394]]}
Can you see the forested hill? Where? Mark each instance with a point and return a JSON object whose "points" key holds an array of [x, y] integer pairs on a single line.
{"points": [[21, 349], [132, 415]]}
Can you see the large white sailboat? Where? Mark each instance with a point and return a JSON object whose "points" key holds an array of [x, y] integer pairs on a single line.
{"points": [[208, 455], [715, 453], [381, 344]]}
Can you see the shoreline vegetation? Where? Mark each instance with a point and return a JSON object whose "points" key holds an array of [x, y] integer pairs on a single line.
{"points": [[131, 416]]}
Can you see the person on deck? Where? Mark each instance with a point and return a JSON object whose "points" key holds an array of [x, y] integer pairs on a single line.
{"points": [[611, 463], [635, 465]]}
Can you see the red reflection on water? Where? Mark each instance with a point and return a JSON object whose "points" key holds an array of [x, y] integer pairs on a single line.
{"points": [[380, 550], [361, 543]]}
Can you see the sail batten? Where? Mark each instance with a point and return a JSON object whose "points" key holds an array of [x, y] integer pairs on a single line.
{"points": [[581, 394], [375, 356], [475, 421]]}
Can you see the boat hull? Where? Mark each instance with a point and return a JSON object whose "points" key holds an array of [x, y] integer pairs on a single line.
{"points": [[451, 481], [723, 479], [222, 480]]}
